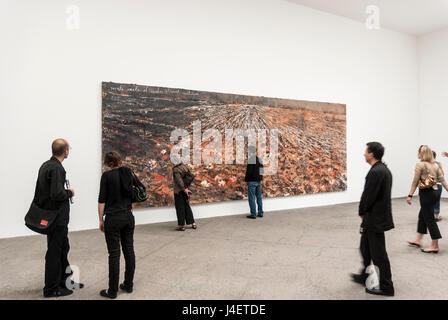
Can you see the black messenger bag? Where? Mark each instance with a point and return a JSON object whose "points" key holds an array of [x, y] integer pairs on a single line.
{"points": [[40, 220]]}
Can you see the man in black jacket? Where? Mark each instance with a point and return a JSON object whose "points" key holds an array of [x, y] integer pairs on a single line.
{"points": [[375, 210], [51, 194]]}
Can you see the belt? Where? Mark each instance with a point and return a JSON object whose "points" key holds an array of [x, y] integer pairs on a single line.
{"points": [[117, 212]]}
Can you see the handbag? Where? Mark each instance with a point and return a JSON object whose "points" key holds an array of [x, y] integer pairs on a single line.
{"points": [[132, 186], [138, 190], [188, 178], [428, 182], [40, 220]]}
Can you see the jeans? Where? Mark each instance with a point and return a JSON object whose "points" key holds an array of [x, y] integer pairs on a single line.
{"points": [[56, 262], [426, 220], [439, 196], [183, 209], [254, 192], [120, 227]]}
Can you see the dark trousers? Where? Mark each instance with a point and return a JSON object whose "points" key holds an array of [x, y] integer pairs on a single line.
{"points": [[183, 209], [439, 197], [56, 263], [426, 220], [120, 228], [373, 248]]}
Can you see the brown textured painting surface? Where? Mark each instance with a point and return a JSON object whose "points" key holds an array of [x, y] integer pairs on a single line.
{"points": [[138, 121]]}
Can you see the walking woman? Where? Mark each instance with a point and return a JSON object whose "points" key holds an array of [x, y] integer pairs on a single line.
{"points": [[115, 207], [427, 173], [439, 192], [182, 178]]}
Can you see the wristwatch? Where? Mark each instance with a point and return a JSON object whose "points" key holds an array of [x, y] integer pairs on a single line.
{"points": [[409, 196]]}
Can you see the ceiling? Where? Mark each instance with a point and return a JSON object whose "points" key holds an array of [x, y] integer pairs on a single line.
{"points": [[415, 17]]}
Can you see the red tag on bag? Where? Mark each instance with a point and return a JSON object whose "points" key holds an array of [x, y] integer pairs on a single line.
{"points": [[44, 223]]}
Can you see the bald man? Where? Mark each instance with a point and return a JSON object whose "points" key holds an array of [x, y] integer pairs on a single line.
{"points": [[51, 194]]}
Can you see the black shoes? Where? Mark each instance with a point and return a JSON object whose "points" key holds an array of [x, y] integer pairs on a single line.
{"points": [[107, 294], [113, 295], [126, 288], [380, 292], [254, 216], [59, 292], [74, 285], [359, 278]]}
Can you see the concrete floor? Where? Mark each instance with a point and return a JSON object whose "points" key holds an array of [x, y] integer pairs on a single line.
{"points": [[293, 254]]}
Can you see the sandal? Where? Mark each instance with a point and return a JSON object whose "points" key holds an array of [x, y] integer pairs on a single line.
{"points": [[413, 244], [180, 229], [430, 251], [194, 226]]}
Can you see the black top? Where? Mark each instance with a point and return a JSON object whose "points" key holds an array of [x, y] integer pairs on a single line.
{"points": [[253, 171], [112, 192], [50, 193], [376, 203]]}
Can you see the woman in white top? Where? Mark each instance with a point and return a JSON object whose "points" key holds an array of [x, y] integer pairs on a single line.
{"points": [[428, 197]]}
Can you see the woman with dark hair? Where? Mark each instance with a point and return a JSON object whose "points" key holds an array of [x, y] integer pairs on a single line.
{"points": [[117, 222], [427, 173]]}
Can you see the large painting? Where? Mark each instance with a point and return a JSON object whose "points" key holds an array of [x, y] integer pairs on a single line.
{"points": [[302, 144]]}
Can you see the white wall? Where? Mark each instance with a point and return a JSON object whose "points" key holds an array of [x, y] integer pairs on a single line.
{"points": [[433, 76], [51, 86]]}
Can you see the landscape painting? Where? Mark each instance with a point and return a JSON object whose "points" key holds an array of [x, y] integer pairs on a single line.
{"points": [[138, 122]]}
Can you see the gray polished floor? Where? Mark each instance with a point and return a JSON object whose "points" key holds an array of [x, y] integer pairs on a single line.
{"points": [[293, 254]]}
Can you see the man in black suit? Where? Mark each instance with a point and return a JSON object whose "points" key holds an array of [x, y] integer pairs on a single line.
{"points": [[375, 210], [51, 194]]}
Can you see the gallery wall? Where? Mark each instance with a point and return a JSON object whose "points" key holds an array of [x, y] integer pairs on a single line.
{"points": [[433, 76], [51, 84]]}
